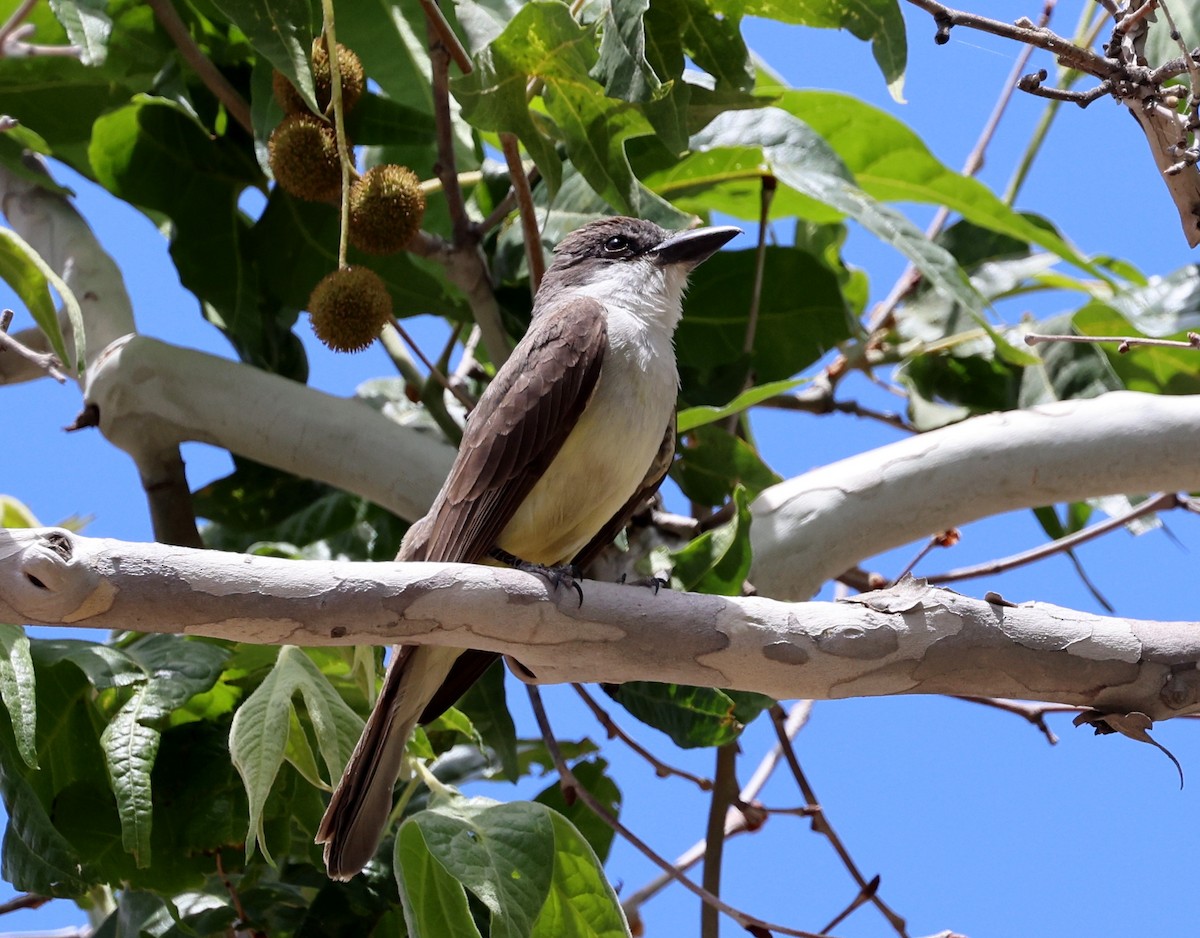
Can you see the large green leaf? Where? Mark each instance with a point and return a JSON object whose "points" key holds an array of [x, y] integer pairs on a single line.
{"points": [[435, 902], [175, 669], [801, 316], [718, 561], [691, 716], [1152, 369], [486, 705], [581, 903], [261, 727], [893, 164], [282, 32]]}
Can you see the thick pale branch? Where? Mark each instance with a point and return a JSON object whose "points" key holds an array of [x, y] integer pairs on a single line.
{"points": [[911, 639], [812, 527], [151, 395]]}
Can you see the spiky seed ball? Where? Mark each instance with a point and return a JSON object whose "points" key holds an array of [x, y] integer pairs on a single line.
{"points": [[286, 94], [304, 158], [386, 209], [348, 308], [353, 81]]}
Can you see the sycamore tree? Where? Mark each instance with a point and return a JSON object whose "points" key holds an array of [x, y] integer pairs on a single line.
{"points": [[170, 777]]}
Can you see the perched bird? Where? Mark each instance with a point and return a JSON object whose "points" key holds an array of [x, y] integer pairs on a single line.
{"points": [[576, 430]]}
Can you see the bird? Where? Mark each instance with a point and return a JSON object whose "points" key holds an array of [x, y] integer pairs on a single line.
{"points": [[574, 433]]}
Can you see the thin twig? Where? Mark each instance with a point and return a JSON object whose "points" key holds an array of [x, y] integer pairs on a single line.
{"points": [[767, 188], [445, 168], [345, 157], [1125, 342], [572, 790], [1034, 713], [437, 21], [434, 371], [217, 83], [26, 900], [528, 215], [821, 821], [724, 792], [819, 400], [1162, 502], [15, 20], [944, 539], [738, 820], [661, 769], [46, 361], [866, 894]]}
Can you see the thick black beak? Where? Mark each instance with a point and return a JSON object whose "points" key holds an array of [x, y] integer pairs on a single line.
{"points": [[694, 247]]}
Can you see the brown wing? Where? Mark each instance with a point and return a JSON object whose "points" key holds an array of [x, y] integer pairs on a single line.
{"points": [[471, 664], [514, 433]]}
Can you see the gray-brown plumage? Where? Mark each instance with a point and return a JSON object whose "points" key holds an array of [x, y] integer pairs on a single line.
{"points": [[576, 430]]}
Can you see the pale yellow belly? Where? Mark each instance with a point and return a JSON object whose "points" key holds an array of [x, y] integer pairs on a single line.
{"points": [[600, 466]]}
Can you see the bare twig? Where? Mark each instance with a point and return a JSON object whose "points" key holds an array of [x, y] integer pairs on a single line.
{"points": [[1034, 713], [1124, 342], [944, 539], [866, 894], [573, 790], [767, 187], [27, 900], [821, 823], [437, 22], [818, 398], [445, 169], [724, 792], [614, 731], [15, 20], [177, 30], [1163, 502], [434, 371], [524, 198], [46, 361]]}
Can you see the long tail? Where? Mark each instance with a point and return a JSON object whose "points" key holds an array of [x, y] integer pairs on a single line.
{"points": [[353, 823]]}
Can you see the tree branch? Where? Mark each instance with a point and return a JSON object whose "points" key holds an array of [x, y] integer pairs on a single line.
{"points": [[912, 639], [813, 527]]}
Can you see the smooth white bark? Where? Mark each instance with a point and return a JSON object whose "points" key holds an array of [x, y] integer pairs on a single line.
{"points": [[908, 640], [817, 525], [151, 395]]}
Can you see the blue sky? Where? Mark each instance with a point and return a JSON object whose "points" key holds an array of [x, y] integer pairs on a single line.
{"points": [[973, 821]]}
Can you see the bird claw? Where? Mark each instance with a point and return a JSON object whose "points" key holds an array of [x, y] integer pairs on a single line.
{"points": [[653, 582], [566, 574]]}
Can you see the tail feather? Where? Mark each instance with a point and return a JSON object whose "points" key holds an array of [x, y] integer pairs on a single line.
{"points": [[353, 823]]}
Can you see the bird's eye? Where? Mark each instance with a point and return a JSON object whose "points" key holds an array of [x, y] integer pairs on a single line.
{"points": [[616, 244]]}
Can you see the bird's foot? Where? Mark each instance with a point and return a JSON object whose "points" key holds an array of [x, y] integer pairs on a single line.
{"points": [[564, 575], [652, 582]]}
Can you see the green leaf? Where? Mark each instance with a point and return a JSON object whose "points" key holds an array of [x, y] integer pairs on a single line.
{"points": [[581, 903], [30, 277], [175, 669], [259, 734], [718, 561], [695, 417], [139, 153], [592, 774], [282, 31], [802, 315], [691, 716], [486, 705], [87, 26], [713, 462], [435, 903], [18, 691], [892, 164], [502, 853], [622, 66]]}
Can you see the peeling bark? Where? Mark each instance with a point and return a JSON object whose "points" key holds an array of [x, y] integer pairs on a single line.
{"points": [[911, 639]]}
